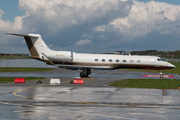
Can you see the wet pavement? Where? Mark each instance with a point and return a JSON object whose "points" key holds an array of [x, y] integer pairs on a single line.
{"points": [[95, 100], [91, 103]]}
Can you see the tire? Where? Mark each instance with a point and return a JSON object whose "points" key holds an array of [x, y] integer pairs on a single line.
{"points": [[81, 74]]}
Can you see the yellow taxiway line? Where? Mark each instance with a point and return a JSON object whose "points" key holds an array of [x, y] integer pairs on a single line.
{"points": [[178, 75], [90, 103], [15, 92]]}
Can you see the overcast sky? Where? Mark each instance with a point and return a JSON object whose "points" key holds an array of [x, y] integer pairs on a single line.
{"points": [[92, 25]]}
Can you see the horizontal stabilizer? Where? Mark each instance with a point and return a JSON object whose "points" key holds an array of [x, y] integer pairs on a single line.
{"points": [[24, 35], [47, 60]]}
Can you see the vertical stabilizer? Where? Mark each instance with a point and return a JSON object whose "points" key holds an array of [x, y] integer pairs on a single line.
{"points": [[35, 44]]}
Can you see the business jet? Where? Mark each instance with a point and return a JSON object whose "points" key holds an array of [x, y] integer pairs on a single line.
{"points": [[40, 51]]}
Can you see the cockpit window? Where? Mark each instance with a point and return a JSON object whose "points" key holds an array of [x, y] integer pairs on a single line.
{"points": [[160, 59]]}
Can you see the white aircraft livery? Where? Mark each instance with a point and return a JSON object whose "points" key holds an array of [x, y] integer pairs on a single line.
{"points": [[40, 51]]}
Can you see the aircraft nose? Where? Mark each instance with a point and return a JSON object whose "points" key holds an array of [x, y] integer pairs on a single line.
{"points": [[170, 65]]}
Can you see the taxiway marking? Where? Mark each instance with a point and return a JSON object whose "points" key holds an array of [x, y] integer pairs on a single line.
{"points": [[8, 91], [15, 92], [92, 103], [178, 75]]}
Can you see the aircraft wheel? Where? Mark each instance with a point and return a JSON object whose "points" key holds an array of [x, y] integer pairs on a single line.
{"points": [[81, 74]]}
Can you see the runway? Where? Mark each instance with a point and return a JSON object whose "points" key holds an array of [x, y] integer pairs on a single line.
{"points": [[95, 100]]}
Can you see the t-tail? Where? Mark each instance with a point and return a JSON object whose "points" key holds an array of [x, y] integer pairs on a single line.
{"points": [[37, 47]]}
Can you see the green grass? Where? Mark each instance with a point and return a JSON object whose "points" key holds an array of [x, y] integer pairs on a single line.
{"points": [[11, 79], [148, 83], [22, 69], [173, 71]]}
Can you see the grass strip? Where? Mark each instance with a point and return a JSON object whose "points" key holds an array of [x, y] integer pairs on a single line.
{"points": [[148, 83], [14, 57], [11, 79], [23, 69]]}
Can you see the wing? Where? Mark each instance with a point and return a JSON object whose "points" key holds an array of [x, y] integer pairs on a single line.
{"points": [[76, 67]]}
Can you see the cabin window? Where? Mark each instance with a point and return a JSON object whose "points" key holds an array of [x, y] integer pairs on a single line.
{"points": [[117, 60], [103, 60], [131, 61], [124, 61], [110, 60], [138, 61], [96, 59]]}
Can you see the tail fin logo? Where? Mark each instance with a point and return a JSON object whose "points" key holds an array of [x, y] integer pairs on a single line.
{"points": [[38, 42]]}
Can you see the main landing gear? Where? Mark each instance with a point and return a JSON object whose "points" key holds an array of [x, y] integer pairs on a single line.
{"points": [[85, 72]]}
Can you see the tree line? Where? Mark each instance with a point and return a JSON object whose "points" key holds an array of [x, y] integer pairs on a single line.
{"points": [[167, 54]]}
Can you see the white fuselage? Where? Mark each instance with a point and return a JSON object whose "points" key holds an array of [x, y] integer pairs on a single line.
{"points": [[110, 61]]}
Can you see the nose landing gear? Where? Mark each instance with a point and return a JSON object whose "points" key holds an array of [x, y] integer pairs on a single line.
{"points": [[161, 75], [85, 72]]}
